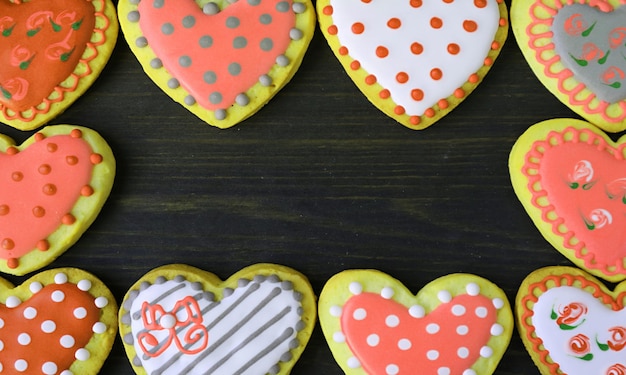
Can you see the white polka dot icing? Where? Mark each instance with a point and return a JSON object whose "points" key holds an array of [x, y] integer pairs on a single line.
{"points": [[414, 59], [386, 330], [222, 61]]}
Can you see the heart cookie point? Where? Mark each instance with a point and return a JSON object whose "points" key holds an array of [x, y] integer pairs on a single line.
{"points": [[178, 319], [415, 61], [569, 176], [224, 61], [577, 52], [52, 51], [374, 325]]}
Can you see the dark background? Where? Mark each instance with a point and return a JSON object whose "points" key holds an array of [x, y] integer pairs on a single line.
{"points": [[318, 180]]}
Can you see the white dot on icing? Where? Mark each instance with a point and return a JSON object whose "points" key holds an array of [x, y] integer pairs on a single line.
{"points": [[1, 345], [57, 296], [458, 310], [497, 303], [404, 344], [353, 362], [101, 302], [373, 340], [444, 296], [432, 355], [469, 371], [432, 328], [168, 321], [462, 330], [359, 314], [80, 313], [386, 293], [82, 354], [67, 341], [486, 352], [48, 326], [23, 339], [472, 289], [67, 372], [21, 365], [60, 278], [99, 327], [497, 330], [12, 302], [462, 352], [392, 321], [443, 371], [392, 369], [30, 313], [84, 285], [1, 323], [417, 311], [49, 368], [35, 287], [355, 288], [339, 337], [335, 311], [481, 312]]}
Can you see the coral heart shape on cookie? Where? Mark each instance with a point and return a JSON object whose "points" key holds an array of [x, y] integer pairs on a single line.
{"points": [[60, 321], [578, 51], [51, 51], [571, 179], [52, 188], [571, 323], [224, 60], [181, 320], [414, 60], [457, 324]]}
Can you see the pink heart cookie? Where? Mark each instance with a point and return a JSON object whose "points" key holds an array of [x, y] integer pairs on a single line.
{"points": [[415, 60], [571, 323], [571, 179], [52, 188], [457, 324], [222, 61]]}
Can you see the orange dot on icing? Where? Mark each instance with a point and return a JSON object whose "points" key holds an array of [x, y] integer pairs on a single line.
{"points": [[495, 45], [12, 150], [448, 1], [415, 120], [436, 74], [416, 3], [480, 3], [4, 209], [443, 104], [399, 110], [49, 189], [382, 51], [52, 147], [503, 22], [470, 26], [394, 23], [39, 137], [44, 169], [358, 28], [332, 30], [488, 61], [86, 191], [453, 48], [76, 133], [417, 48], [384, 94], [95, 158], [43, 245], [343, 50], [39, 211], [417, 94], [402, 77], [328, 10], [370, 79], [7, 244], [436, 23], [71, 160], [430, 112], [17, 176], [13, 263], [459, 93], [473, 78], [355, 65], [68, 219]]}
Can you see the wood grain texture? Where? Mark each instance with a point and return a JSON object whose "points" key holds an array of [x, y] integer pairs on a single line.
{"points": [[318, 180]]}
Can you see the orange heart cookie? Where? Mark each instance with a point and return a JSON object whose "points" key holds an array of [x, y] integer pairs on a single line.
{"points": [[224, 60], [51, 51], [52, 188], [571, 323], [181, 320], [457, 324], [415, 60], [578, 51], [571, 179], [57, 322]]}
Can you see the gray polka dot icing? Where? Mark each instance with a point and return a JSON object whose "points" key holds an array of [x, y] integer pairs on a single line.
{"points": [[167, 28], [296, 34], [265, 19], [133, 16], [254, 2], [234, 69], [210, 77], [220, 114], [283, 7], [216, 98], [189, 22], [184, 61], [242, 99], [240, 42], [190, 100], [299, 8], [265, 80], [135, 2], [158, 3], [205, 41], [282, 60], [266, 44], [210, 9], [156, 63], [173, 83], [232, 22], [141, 42]]}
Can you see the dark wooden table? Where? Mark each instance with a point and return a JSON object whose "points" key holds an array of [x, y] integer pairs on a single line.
{"points": [[318, 180]]}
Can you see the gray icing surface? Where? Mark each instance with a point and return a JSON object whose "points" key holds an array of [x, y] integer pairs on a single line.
{"points": [[588, 42]]}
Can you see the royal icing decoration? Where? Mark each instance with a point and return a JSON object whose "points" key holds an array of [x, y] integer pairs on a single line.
{"points": [[178, 326], [51, 189], [415, 60], [572, 181], [382, 330], [223, 60], [578, 50], [55, 325], [51, 51], [572, 324]]}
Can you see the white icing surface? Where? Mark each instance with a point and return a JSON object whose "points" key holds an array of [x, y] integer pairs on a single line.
{"points": [[416, 27], [243, 337], [597, 322]]}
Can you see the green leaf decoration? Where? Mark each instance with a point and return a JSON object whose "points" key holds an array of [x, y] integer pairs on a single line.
{"points": [[589, 185], [5, 93], [602, 61], [7, 32], [66, 56], [624, 199], [566, 327], [587, 357], [574, 185], [553, 315], [587, 32], [56, 27], [581, 62], [33, 32], [76, 25], [603, 347], [615, 85]]}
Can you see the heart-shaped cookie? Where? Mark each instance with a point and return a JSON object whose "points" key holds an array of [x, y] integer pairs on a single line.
{"points": [[221, 60], [51, 51], [415, 60], [52, 188], [60, 321], [457, 324], [571, 323], [180, 320], [578, 51], [571, 179]]}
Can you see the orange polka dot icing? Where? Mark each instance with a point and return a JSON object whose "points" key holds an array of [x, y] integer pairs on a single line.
{"points": [[413, 45], [458, 324], [51, 189]]}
